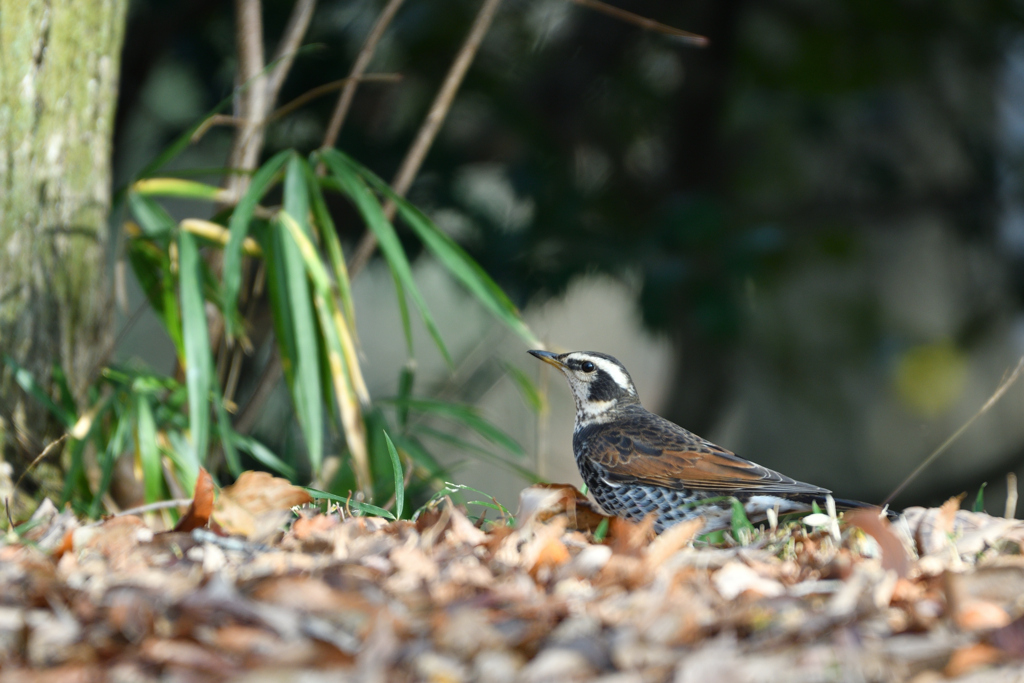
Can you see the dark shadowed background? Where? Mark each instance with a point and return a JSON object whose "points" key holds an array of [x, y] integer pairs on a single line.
{"points": [[807, 240]]}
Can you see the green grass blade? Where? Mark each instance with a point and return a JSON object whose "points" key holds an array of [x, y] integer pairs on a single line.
{"points": [[31, 387], [198, 358], [453, 257], [306, 385], [405, 383], [482, 453], [465, 415], [153, 219], [366, 203], [344, 367], [226, 433], [176, 187], [329, 238], [365, 508], [979, 501], [264, 455], [238, 226], [527, 388], [396, 466], [115, 446], [148, 449], [742, 529]]}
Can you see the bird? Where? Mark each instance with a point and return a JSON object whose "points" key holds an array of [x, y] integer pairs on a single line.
{"points": [[635, 462]]}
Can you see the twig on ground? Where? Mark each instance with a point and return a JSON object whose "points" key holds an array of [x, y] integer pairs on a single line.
{"points": [[1000, 391], [431, 125]]}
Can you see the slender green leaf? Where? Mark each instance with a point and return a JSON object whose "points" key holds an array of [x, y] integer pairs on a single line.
{"points": [[29, 384], [460, 264], [329, 238], [366, 203], [198, 358], [365, 508], [979, 500], [238, 226], [467, 416], [153, 219], [527, 389], [65, 399], [405, 383], [115, 446], [742, 529], [601, 531], [264, 455], [475, 450], [345, 372], [176, 187], [306, 388], [226, 433], [148, 449], [184, 458], [396, 466]]}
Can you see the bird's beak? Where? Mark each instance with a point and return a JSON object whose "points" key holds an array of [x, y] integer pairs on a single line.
{"points": [[547, 357]]}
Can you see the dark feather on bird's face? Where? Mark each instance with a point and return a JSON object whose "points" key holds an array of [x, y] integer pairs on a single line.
{"points": [[599, 383]]}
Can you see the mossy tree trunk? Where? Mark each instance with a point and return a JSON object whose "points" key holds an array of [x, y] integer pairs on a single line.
{"points": [[59, 65]]}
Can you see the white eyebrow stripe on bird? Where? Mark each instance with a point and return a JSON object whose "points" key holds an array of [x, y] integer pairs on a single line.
{"points": [[613, 370]]}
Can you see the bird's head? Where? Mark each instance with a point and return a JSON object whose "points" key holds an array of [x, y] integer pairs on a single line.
{"points": [[599, 383]]}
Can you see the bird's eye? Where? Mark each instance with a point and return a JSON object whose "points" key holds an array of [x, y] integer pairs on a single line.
{"points": [[587, 366]]}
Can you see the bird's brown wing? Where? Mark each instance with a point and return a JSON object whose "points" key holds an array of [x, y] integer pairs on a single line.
{"points": [[660, 453]]}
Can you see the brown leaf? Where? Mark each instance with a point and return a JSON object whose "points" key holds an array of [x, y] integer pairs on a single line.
{"points": [[541, 502], [630, 538], [671, 540], [894, 556], [972, 657], [198, 513], [256, 504], [980, 615]]}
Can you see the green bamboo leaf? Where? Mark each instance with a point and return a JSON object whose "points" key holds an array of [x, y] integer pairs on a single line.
{"points": [[238, 226], [467, 416], [365, 508], [31, 387], [405, 383], [453, 257], [264, 455], [153, 219], [366, 203], [527, 389], [115, 446], [344, 367], [396, 466], [198, 358], [226, 433], [148, 449], [329, 238], [306, 388], [420, 456], [184, 458], [482, 453], [176, 187]]}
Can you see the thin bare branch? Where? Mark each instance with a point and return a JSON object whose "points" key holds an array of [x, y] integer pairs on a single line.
{"points": [[431, 125], [251, 104], [46, 451], [1000, 391], [358, 69], [294, 32], [316, 92], [686, 37]]}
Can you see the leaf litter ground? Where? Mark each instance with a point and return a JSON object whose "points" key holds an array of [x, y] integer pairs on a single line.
{"points": [[263, 585]]}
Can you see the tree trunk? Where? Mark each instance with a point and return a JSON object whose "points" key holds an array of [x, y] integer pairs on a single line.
{"points": [[59, 65]]}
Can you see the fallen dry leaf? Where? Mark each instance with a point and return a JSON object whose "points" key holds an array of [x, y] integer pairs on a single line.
{"points": [[198, 513], [256, 504]]}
